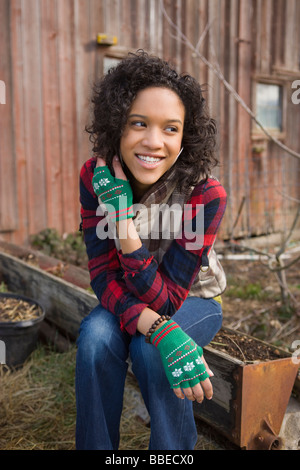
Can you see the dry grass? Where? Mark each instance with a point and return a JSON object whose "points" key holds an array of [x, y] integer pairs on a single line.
{"points": [[38, 409], [37, 403]]}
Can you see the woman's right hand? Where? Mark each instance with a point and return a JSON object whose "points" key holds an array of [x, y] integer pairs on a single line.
{"points": [[114, 191]]}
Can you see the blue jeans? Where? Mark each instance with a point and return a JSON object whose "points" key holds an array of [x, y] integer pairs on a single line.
{"points": [[101, 368]]}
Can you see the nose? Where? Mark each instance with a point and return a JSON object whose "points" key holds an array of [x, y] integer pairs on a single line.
{"points": [[153, 138]]}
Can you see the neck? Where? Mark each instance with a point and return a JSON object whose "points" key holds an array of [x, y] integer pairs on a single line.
{"points": [[139, 190]]}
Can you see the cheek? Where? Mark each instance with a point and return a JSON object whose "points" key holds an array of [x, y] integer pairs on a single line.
{"points": [[177, 146]]}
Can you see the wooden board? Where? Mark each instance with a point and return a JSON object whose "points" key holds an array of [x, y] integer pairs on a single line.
{"points": [[223, 411], [74, 274], [65, 304]]}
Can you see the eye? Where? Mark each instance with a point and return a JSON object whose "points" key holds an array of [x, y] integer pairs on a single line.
{"points": [[171, 129], [138, 124]]}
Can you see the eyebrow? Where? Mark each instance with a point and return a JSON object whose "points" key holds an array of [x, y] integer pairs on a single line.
{"points": [[145, 117]]}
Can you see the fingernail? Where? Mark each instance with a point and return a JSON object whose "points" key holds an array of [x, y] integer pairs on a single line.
{"points": [[116, 158]]}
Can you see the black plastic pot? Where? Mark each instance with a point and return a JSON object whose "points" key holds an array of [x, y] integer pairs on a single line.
{"points": [[19, 338]]}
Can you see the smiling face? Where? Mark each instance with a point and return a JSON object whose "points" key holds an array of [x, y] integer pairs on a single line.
{"points": [[152, 136]]}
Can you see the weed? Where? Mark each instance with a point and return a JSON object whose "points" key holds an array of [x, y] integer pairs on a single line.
{"points": [[68, 247], [3, 287], [246, 291]]}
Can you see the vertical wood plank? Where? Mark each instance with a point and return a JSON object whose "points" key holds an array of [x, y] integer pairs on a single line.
{"points": [[51, 112], [277, 23], [266, 33], [289, 41], [17, 58], [158, 27], [83, 76], [8, 186], [230, 154], [244, 120], [33, 117], [68, 131]]}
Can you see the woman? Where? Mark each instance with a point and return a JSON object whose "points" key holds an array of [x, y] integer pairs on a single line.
{"points": [[158, 285]]}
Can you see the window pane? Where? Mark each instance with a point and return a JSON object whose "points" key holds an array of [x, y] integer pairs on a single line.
{"points": [[269, 105]]}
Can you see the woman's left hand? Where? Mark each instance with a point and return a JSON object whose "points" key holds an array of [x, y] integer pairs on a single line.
{"points": [[198, 391]]}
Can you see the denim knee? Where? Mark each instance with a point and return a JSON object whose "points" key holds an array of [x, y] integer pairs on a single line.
{"points": [[99, 337], [200, 318]]}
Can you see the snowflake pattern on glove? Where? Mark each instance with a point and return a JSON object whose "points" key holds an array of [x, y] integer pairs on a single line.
{"points": [[177, 373], [189, 366], [104, 181]]}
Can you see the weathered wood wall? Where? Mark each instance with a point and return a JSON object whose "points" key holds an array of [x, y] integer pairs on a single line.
{"points": [[49, 60]]}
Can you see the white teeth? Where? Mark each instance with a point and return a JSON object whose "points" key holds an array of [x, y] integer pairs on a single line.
{"points": [[148, 159]]}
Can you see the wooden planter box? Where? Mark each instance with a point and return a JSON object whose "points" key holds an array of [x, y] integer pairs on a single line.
{"points": [[250, 399], [65, 303]]}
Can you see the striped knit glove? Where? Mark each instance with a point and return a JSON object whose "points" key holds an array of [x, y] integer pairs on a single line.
{"points": [[180, 355], [115, 193]]}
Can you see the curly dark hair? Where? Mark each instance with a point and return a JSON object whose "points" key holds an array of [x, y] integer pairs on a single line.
{"points": [[112, 100]]}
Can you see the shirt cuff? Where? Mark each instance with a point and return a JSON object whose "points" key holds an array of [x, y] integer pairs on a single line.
{"points": [[130, 318], [136, 261]]}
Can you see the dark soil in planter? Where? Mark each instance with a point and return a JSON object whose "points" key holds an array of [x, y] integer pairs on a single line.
{"points": [[244, 348], [20, 320]]}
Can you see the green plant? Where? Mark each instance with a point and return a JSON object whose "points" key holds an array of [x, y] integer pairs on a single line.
{"points": [[3, 287], [246, 291], [68, 247]]}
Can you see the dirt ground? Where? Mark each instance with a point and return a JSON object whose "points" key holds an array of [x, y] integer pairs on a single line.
{"points": [[252, 302]]}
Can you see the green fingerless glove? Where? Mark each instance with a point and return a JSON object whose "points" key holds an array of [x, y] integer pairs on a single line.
{"points": [[180, 355], [115, 193]]}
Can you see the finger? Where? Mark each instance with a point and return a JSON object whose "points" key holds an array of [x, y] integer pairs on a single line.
{"points": [[189, 393], [207, 388], [178, 392], [100, 162], [198, 393], [209, 371], [119, 173]]}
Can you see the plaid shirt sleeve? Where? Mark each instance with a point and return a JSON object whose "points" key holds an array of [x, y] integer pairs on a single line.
{"points": [[104, 266], [164, 287]]}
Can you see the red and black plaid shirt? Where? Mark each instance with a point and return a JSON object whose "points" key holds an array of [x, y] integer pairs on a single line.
{"points": [[126, 284]]}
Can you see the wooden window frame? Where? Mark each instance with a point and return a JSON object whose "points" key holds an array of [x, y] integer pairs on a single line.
{"points": [[110, 52], [257, 133]]}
